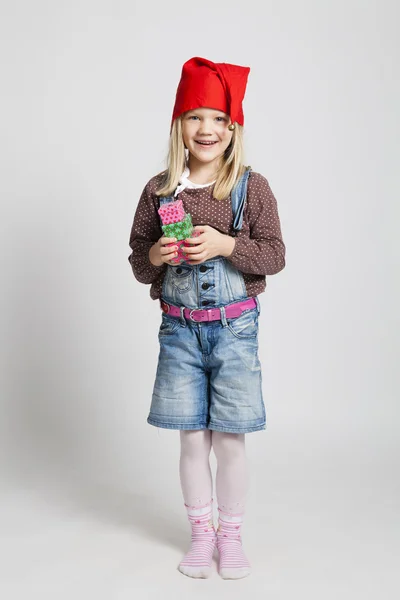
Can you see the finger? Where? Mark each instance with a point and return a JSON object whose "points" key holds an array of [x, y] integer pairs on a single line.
{"points": [[196, 240], [169, 256], [167, 240], [198, 258], [168, 249], [201, 228], [195, 249]]}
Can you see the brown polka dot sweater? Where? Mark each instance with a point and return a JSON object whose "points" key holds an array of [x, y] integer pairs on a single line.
{"points": [[259, 248]]}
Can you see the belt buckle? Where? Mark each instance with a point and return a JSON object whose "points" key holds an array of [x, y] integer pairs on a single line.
{"points": [[208, 311], [191, 317]]}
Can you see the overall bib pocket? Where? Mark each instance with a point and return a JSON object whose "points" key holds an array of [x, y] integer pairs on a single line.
{"points": [[181, 277]]}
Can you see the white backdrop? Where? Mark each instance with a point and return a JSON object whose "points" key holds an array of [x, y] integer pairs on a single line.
{"points": [[90, 492]]}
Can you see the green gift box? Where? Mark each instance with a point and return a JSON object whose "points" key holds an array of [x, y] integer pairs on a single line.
{"points": [[181, 230]]}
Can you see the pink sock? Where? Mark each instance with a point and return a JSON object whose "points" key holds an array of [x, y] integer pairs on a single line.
{"points": [[197, 562], [233, 563]]}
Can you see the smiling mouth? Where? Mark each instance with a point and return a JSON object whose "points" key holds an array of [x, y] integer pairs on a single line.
{"points": [[205, 143]]}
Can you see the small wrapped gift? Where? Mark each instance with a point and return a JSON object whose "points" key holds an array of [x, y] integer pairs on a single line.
{"points": [[171, 212], [181, 230]]}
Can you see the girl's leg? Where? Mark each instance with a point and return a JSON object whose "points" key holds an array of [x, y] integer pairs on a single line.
{"points": [[232, 484], [196, 483], [194, 467]]}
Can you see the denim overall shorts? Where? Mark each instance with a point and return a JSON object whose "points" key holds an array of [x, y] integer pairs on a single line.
{"points": [[209, 373]]}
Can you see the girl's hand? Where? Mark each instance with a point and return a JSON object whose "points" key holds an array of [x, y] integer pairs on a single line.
{"points": [[209, 243], [159, 253]]}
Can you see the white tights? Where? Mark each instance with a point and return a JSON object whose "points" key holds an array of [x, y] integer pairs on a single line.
{"points": [[195, 471]]}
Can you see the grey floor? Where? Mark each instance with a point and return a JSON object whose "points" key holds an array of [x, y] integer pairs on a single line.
{"points": [[321, 525]]}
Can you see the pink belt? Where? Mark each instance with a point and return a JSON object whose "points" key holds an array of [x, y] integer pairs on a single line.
{"points": [[210, 314]]}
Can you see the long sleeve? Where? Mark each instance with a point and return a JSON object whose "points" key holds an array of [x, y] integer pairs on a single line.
{"points": [[146, 230], [259, 247]]}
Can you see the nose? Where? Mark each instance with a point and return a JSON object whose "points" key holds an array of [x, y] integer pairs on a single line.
{"points": [[205, 127]]}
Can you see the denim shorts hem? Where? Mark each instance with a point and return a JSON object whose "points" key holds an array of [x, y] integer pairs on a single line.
{"points": [[201, 426], [244, 429], [164, 425]]}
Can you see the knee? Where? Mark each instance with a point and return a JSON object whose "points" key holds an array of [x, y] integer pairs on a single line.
{"points": [[228, 446], [195, 443]]}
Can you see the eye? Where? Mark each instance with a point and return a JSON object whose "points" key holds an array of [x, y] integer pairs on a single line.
{"points": [[220, 119], [192, 117]]}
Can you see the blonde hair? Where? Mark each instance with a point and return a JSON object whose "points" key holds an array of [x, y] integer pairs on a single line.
{"points": [[230, 170]]}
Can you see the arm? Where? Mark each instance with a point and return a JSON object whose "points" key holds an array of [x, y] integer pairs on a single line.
{"points": [[145, 232], [259, 247]]}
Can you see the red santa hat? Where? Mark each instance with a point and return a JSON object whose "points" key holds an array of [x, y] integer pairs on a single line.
{"points": [[214, 85]]}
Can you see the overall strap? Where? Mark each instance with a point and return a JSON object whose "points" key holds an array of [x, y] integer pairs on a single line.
{"points": [[238, 200], [165, 199]]}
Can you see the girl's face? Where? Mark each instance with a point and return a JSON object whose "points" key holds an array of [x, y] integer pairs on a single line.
{"points": [[206, 134]]}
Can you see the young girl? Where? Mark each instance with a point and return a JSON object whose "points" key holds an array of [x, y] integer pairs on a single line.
{"points": [[208, 381]]}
